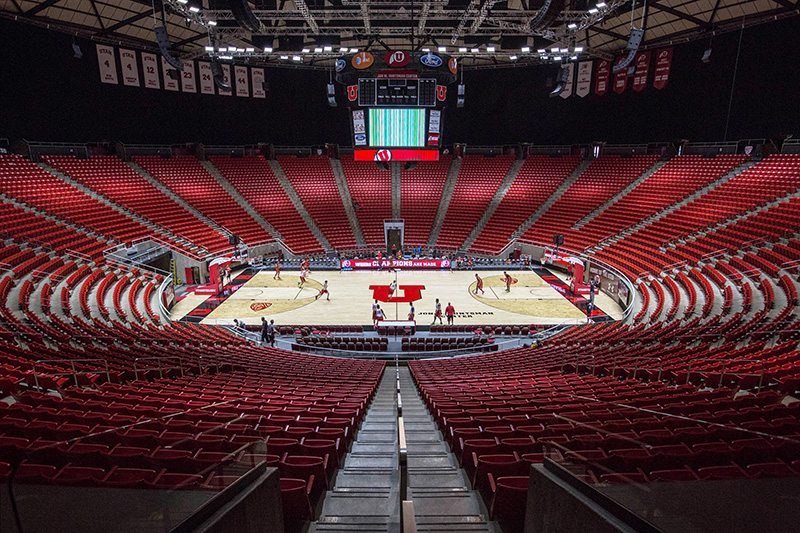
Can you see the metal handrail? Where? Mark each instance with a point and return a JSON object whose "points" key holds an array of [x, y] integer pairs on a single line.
{"points": [[577, 361], [725, 364], [636, 366], [74, 372], [337, 352], [160, 368]]}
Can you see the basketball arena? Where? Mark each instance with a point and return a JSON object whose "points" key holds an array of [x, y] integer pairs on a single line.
{"points": [[399, 266]]}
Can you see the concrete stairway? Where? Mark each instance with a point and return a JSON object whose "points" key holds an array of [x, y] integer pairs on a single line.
{"points": [[347, 201], [444, 202], [396, 169], [298, 204], [442, 495], [494, 203], [621, 194], [160, 232], [236, 195], [542, 209], [180, 201], [366, 493], [674, 207]]}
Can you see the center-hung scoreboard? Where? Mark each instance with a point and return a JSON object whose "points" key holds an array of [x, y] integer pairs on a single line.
{"points": [[396, 103]]}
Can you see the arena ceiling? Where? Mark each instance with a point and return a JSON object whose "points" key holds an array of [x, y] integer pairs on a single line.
{"points": [[483, 33]]}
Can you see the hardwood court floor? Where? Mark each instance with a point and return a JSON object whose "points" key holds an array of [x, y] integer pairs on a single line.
{"points": [[531, 299]]}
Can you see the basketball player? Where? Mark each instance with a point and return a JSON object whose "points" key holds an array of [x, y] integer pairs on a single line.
{"points": [[392, 288], [303, 274], [478, 284], [375, 313], [379, 315], [411, 312], [450, 312], [507, 279], [437, 312], [277, 270], [324, 291]]}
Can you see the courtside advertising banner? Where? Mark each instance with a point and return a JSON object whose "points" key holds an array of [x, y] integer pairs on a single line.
{"points": [[663, 66], [130, 68], [189, 82], [150, 70], [206, 78], [258, 83], [226, 75], [584, 79], [170, 84], [242, 81], [374, 264], [108, 64]]}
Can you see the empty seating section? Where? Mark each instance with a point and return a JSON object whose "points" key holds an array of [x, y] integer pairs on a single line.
{"points": [[420, 193], [253, 178], [775, 177], [313, 180], [22, 180], [371, 188], [186, 177], [115, 180], [478, 181], [678, 178], [536, 181], [604, 177]]}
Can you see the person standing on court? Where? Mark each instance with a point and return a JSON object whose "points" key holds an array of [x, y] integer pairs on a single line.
{"points": [[379, 317], [507, 279], [478, 284], [277, 270], [324, 291], [437, 312], [375, 313], [392, 288], [411, 312], [450, 312]]}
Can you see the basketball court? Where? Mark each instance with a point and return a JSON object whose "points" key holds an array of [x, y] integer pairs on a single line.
{"points": [[531, 300]]}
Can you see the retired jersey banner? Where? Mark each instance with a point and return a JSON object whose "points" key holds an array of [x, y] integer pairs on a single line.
{"points": [[188, 79], [642, 63], [130, 68], [226, 77], [242, 81], [170, 83], [662, 68], [257, 76], [206, 78], [620, 78], [150, 70], [584, 86], [601, 79], [567, 92], [108, 64]]}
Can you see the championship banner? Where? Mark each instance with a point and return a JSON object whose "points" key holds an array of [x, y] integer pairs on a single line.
{"points": [[584, 86], [662, 68], [242, 81], [206, 78], [226, 75], [567, 92], [150, 70], [108, 64], [257, 77], [435, 121], [373, 264], [620, 78], [359, 127], [642, 63], [130, 68], [601, 79], [170, 84], [189, 83]]}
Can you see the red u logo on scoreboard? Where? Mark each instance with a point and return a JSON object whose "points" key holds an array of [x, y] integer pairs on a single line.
{"points": [[441, 93], [352, 92]]}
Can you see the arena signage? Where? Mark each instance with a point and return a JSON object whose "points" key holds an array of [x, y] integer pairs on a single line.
{"points": [[374, 264]]}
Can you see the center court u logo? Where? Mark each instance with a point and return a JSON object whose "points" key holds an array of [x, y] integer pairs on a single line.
{"points": [[411, 293]]}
